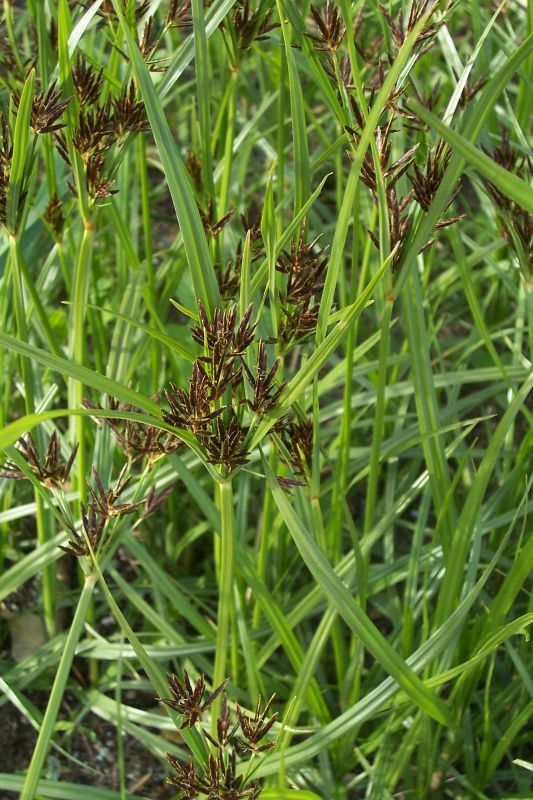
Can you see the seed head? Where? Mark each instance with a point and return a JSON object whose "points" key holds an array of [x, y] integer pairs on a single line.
{"points": [[47, 108], [305, 267], [212, 226], [190, 701], [54, 217], [193, 409], [297, 440], [87, 81], [226, 446], [128, 114], [254, 729], [179, 14], [266, 393], [221, 330], [102, 506], [331, 28], [400, 29], [51, 471], [516, 223], [250, 26]]}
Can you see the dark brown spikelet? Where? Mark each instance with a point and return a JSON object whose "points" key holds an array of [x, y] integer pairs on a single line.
{"points": [[136, 439], [250, 26], [186, 778], [105, 501], [148, 43], [51, 471], [207, 333], [102, 506], [516, 223], [470, 89], [288, 484], [391, 172], [47, 108], [370, 89], [188, 700], [426, 183], [87, 82], [6, 154], [221, 330], [155, 499], [367, 47], [297, 441], [193, 409], [222, 370], [8, 61], [344, 70], [54, 217], [224, 776], [128, 114], [194, 168], [88, 537], [229, 277], [94, 132], [222, 781], [225, 446], [212, 226], [244, 334], [263, 383], [305, 267], [297, 323], [331, 28], [98, 185], [254, 729], [398, 225], [252, 225], [179, 14], [400, 29], [226, 728]]}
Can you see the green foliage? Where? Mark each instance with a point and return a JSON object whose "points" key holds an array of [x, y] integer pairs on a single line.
{"points": [[265, 307]]}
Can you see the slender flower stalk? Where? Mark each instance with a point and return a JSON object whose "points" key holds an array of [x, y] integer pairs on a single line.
{"points": [[226, 574], [30, 787], [78, 346]]}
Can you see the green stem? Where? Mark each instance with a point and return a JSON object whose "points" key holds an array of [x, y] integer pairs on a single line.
{"points": [[377, 428], [20, 322], [10, 28], [77, 348], [228, 148], [29, 790], [203, 97], [225, 587], [75, 388], [267, 521], [148, 252]]}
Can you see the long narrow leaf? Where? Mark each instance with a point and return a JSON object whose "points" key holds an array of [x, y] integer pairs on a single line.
{"points": [[198, 256]]}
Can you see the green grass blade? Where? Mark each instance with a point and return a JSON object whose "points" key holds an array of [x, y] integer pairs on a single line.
{"points": [[194, 239], [472, 130], [19, 159], [358, 621], [172, 344], [508, 183]]}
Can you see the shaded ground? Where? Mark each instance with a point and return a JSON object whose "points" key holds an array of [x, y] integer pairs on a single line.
{"points": [[94, 743]]}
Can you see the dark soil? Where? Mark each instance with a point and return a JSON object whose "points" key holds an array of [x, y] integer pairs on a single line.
{"points": [[94, 742]]}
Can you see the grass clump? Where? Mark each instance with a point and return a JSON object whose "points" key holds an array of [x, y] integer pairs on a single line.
{"points": [[266, 301]]}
